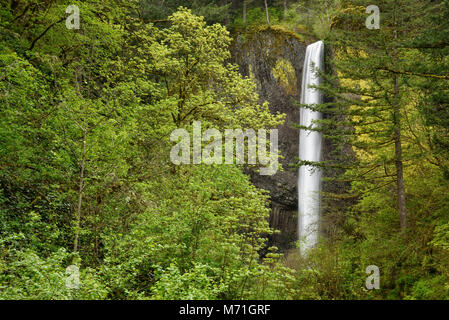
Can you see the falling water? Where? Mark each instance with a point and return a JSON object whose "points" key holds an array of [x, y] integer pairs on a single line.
{"points": [[309, 178]]}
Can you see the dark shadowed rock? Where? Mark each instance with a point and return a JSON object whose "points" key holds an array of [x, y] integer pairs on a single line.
{"points": [[275, 60]]}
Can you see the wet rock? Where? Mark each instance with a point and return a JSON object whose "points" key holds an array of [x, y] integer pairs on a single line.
{"points": [[275, 60]]}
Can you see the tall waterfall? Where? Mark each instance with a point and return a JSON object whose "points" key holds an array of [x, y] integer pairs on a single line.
{"points": [[309, 178]]}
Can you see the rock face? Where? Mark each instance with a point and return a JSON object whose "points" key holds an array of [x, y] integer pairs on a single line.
{"points": [[275, 60]]}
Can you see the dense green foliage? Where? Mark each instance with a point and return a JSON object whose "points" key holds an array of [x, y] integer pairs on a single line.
{"points": [[388, 88], [86, 178]]}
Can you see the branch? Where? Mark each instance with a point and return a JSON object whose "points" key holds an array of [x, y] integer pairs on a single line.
{"points": [[23, 12], [44, 32], [426, 75]]}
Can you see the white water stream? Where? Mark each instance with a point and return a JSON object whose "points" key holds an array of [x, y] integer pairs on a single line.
{"points": [[309, 178]]}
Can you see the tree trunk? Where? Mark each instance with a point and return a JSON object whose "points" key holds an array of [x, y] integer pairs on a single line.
{"points": [[266, 10], [398, 149], [398, 160], [81, 184], [285, 9], [244, 11]]}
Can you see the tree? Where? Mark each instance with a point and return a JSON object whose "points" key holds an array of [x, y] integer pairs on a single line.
{"points": [[432, 77], [197, 83], [85, 123], [372, 94], [266, 12], [285, 8]]}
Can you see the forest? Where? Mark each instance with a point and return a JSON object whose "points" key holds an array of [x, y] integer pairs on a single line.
{"points": [[93, 207]]}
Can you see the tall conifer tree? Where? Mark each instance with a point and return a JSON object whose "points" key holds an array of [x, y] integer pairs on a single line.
{"points": [[372, 93]]}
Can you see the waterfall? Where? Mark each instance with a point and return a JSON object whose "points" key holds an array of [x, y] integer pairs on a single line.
{"points": [[309, 178]]}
